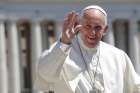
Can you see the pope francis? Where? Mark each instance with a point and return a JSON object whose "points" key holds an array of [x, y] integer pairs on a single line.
{"points": [[79, 62]]}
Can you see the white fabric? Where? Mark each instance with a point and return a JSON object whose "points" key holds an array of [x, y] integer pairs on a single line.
{"points": [[64, 47], [66, 73], [96, 7], [91, 59]]}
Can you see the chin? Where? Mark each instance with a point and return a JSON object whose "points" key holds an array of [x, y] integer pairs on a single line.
{"points": [[91, 45]]}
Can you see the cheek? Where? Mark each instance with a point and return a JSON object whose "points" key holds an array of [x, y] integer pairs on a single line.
{"points": [[84, 33], [99, 35]]}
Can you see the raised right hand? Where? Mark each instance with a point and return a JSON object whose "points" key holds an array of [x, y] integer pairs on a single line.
{"points": [[70, 27]]}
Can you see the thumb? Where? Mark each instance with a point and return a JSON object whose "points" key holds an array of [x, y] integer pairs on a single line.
{"points": [[77, 28]]}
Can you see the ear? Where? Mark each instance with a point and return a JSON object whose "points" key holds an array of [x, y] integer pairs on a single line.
{"points": [[105, 30]]}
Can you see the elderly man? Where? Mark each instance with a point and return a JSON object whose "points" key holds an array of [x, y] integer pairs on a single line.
{"points": [[81, 63]]}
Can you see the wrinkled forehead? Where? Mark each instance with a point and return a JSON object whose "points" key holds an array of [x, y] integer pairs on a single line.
{"points": [[93, 16]]}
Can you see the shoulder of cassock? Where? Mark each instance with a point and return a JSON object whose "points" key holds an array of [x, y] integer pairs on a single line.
{"points": [[110, 52]]}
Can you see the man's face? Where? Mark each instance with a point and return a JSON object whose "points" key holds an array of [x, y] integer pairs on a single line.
{"points": [[93, 27]]}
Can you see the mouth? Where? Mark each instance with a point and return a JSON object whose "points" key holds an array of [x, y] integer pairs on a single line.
{"points": [[91, 39]]}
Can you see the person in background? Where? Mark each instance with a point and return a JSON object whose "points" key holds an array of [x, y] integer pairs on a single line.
{"points": [[79, 62]]}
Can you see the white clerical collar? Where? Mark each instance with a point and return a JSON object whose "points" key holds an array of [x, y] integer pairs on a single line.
{"points": [[85, 47]]}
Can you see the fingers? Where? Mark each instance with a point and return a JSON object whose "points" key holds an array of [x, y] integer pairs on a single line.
{"points": [[71, 19], [69, 25], [73, 28], [70, 33], [73, 31], [73, 16], [78, 28]]}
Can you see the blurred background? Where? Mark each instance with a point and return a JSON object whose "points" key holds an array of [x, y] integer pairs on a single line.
{"points": [[28, 27]]}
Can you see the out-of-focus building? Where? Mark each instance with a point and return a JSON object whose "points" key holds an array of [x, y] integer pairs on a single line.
{"points": [[28, 27]]}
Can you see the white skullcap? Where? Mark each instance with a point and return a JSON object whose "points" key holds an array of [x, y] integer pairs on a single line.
{"points": [[96, 7]]}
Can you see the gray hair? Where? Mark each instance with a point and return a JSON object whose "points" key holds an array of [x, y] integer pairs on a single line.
{"points": [[97, 8]]}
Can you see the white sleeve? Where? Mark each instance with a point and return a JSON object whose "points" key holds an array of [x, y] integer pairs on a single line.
{"points": [[132, 80], [64, 47], [49, 68]]}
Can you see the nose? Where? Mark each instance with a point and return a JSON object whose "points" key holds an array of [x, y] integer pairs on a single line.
{"points": [[92, 32]]}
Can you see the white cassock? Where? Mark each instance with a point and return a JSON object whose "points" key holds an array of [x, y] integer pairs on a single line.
{"points": [[64, 71]]}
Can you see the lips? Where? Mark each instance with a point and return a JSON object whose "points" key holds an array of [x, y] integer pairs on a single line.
{"points": [[91, 39]]}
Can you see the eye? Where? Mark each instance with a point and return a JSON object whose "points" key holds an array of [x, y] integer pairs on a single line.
{"points": [[87, 26], [97, 28]]}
